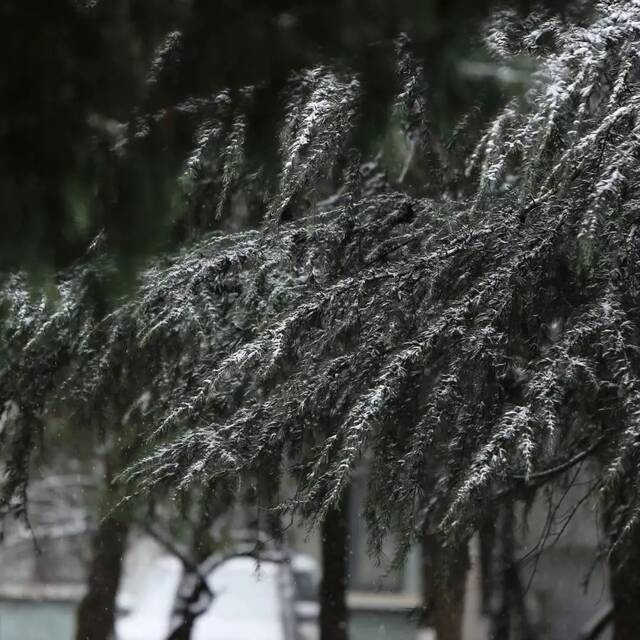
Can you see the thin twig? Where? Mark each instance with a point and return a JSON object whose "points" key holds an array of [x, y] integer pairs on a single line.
{"points": [[546, 474]]}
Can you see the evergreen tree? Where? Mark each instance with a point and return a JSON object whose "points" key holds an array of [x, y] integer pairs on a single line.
{"points": [[477, 340]]}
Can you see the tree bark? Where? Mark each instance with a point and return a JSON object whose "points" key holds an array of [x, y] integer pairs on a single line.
{"points": [[625, 591], [624, 568], [443, 588], [192, 605], [194, 596], [334, 615], [503, 594], [96, 613]]}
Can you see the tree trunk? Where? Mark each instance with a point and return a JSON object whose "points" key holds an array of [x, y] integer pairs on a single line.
{"points": [[625, 591], [333, 590], [96, 613], [443, 588], [197, 599], [624, 568], [503, 594], [194, 596]]}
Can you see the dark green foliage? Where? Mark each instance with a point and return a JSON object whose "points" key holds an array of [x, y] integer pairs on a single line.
{"points": [[473, 343], [101, 100]]}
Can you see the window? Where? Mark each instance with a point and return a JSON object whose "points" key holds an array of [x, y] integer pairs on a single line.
{"points": [[365, 574]]}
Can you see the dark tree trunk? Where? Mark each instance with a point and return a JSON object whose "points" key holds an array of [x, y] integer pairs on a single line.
{"points": [[193, 604], [194, 596], [334, 614], [443, 588], [625, 591], [504, 596], [624, 569], [96, 613]]}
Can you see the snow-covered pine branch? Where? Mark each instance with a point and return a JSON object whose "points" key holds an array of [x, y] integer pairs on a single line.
{"points": [[461, 344]]}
